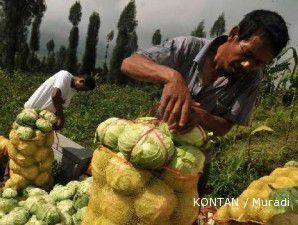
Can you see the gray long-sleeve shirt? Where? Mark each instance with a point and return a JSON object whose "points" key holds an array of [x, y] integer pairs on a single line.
{"points": [[225, 97]]}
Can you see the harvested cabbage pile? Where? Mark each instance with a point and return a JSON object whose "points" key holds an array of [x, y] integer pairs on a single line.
{"points": [[145, 146], [265, 199], [29, 149], [30, 122], [108, 132], [148, 143], [64, 205]]}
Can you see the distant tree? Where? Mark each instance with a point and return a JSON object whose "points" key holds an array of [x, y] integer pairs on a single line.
{"points": [[61, 55], [22, 57], [110, 37], [133, 43], [50, 46], [75, 15], [89, 58], [219, 26], [51, 62], [17, 18], [200, 30], [125, 43], [156, 38], [35, 33]]}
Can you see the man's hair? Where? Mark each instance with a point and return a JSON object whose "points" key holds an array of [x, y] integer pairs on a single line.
{"points": [[267, 24], [89, 80]]}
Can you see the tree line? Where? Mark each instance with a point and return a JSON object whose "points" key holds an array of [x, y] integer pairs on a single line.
{"points": [[19, 44]]}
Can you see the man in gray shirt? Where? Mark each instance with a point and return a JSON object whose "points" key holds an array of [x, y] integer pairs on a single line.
{"points": [[211, 83]]}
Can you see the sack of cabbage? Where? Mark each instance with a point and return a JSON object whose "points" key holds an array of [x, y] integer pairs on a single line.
{"points": [[29, 149], [63, 205], [147, 143], [146, 175]]}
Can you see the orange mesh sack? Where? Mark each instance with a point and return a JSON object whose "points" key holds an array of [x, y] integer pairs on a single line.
{"points": [[30, 149], [265, 200], [126, 195], [146, 178]]}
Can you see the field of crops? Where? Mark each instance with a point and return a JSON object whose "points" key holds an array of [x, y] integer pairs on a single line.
{"points": [[237, 159]]}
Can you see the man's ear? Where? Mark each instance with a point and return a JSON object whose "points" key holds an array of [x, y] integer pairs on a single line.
{"points": [[82, 81], [234, 33]]}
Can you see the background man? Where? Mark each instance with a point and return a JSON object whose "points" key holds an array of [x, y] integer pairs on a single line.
{"points": [[57, 91], [211, 83]]}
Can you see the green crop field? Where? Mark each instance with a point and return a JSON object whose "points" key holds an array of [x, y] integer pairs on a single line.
{"points": [[237, 159]]}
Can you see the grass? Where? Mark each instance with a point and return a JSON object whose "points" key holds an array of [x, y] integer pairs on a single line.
{"points": [[231, 169]]}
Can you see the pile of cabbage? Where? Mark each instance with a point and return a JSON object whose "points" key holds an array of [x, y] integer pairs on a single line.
{"points": [[30, 122], [30, 149], [149, 144], [63, 205]]}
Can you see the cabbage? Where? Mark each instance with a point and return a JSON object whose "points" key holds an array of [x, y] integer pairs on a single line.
{"points": [[148, 147], [6, 205], [129, 181], [78, 217], [291, 194], [81, 198], [48, 213], [49, 116], [44, 125], [156, 203], [42, 209], [108, 132], [2, 214], [161, 126], [66, 219], [66, 206], [9, 193], [60, 192], [33, 203], [195, 137], [34, 221], [15, 125], [188, 159], [291, 164], [18, 216], [27, 117], [33, 191], [147, 120], [25, 133]]}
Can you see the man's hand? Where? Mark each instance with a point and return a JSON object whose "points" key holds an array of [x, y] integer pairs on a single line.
{"points": [[60, 122], [175, 101], [194, 120]]}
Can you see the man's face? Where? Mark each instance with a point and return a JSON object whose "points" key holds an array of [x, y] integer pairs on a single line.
{"points": [[237, 58], [80, 84]]}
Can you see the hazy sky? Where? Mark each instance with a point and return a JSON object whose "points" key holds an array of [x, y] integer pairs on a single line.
{"points": [[173, 17]]}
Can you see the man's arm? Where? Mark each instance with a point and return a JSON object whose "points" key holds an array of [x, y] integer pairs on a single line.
{"points": [[218, 125], [175, 100], [58, 104], [199, 116]]}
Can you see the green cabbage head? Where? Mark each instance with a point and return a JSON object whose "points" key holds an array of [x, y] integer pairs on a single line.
{"points": [[7, 204], [188, 159], [196, 137], [148, 150], [25, 133], [27, 117], [108, 132], [49, 116], [44, 125], [34, 221], [18, 216], [9, 193]]}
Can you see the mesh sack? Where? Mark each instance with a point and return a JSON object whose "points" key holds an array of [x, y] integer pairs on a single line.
{"points": [[250, 208]]}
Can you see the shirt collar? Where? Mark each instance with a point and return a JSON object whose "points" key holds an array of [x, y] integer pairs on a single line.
{"points": [[207, 45]]}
